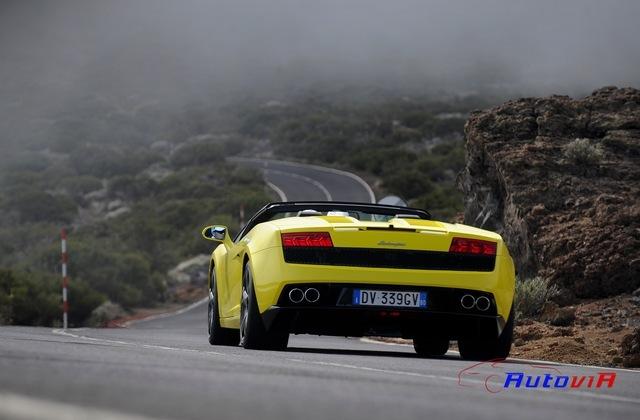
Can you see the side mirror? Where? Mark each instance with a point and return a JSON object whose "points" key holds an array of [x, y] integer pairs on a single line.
{"points": [[215, 233]]}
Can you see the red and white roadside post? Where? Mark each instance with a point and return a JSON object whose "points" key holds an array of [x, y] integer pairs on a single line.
{"points": [[65, 280]]}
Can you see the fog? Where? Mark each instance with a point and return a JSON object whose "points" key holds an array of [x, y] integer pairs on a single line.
{"points": [[175, 51]]}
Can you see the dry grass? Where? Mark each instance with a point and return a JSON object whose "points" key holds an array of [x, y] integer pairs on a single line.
{"points": [[531, 295], [583, 152]]}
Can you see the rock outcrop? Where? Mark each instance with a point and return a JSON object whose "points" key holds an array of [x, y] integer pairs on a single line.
{"points": [[567, 213], [630, 347], [194, 270]]}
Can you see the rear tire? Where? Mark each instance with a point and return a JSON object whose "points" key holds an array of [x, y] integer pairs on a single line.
{"points": [[482, 349], [218, 336], [431, 346], [253, 333]]}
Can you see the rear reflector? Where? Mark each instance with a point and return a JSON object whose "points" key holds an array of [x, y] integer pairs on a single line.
{"points": [[472, 246], [307, 239]]}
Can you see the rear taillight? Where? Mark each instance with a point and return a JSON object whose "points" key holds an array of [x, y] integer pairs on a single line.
{"points": [[307, 239], [472, 246]]}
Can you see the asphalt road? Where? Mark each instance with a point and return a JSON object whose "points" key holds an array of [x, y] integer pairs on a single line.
{"points": [[165, 368]]}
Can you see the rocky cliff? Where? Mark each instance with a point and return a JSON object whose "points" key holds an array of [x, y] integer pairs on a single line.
{"points": [[560, 180]]}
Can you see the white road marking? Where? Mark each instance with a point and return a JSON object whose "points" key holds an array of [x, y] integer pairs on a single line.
{"points": [[378, 370], [353, 176], [138, 345], [548, 362], [14, 406], [311, 181], [524, 393], [167, 314], [274, 187], [545, 362]]}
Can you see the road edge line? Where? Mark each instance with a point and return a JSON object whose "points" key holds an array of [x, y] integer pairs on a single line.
{"points": [[165, 314], [311, 181], [548, 362], [274, 187]]}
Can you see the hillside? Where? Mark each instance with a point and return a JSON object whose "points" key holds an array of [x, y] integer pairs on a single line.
{"points": [[133, 184], [560, 179]]}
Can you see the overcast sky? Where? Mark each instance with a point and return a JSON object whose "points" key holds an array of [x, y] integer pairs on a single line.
{"points": [[181, 48]]}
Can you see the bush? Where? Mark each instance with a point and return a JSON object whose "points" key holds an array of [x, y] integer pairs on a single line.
{"points": [[35, 205], [407, 183], [125, 277], [78, 186], [583, 152], [197, 154], [33, 298], [531, 295], [444, 202], [134, 188], [106, 161]]}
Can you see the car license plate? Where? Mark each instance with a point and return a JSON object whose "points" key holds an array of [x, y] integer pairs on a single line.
{"points": [[389, 298]]}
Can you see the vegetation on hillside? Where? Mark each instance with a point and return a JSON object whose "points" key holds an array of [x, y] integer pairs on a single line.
{"points": [[134, 199]]}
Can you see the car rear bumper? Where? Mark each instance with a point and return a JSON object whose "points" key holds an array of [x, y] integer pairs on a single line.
{"points": [[358, 322], [334, 314]]}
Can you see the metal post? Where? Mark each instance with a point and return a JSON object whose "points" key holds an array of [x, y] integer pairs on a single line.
{"points": [[65, 280]]}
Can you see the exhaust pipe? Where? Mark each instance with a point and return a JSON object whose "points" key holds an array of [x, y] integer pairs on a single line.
{"points": [[467, 301], [483, 303], [312, 295], [296, 295]]}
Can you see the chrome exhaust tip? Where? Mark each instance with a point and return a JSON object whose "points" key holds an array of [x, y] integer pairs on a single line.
{"points": [[467, 301], [312, 295], [483, 303], [296, 295]]}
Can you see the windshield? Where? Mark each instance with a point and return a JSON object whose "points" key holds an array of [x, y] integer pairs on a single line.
{"points": [[358, 215]]}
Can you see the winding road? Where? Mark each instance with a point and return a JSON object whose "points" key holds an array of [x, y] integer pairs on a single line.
{"points": [[164, 367], [298, 182]]}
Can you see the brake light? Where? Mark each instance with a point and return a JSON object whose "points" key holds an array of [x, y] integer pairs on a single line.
{"points": [[307, 239], [473, 246]]}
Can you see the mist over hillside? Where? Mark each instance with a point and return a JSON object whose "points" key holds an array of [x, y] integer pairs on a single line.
{"points": [[169, 53]]}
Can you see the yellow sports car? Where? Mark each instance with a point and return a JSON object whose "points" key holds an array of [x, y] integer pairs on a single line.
{"points": [[350, 269]]}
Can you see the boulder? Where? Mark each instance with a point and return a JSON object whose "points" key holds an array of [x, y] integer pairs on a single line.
{"points": [[630, 348], [194, 270]]}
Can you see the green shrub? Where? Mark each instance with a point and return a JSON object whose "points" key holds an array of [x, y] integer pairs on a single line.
{"points": [[583, 152], [122, 275], [78, 186], [105, 161], [444, 201], [531, 295], [35, 205], [128, 187], [197, 154], [33, 298], [408, 183]]}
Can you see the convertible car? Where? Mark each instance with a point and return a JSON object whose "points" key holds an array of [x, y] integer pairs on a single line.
{"points": [[350, 269]]}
